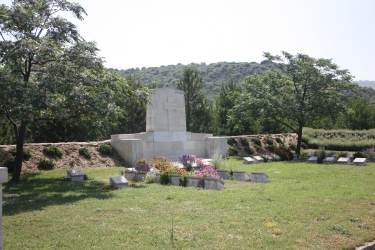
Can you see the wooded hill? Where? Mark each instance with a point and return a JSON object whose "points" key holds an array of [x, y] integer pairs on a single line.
{"points": [[215, 74]]}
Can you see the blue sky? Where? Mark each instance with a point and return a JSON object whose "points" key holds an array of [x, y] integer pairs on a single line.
{"points": [[150, 33]]}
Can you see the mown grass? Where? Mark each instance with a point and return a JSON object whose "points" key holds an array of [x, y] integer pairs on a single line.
{"points": [[304, 206]]}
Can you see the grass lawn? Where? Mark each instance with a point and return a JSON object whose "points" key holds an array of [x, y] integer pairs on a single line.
{"points": [[304, 206]]}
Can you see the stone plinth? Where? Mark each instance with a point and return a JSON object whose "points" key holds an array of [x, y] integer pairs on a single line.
{"points": [[343, 160], [213, 183], [75, 175], [258, 159], [329, 160], [130, 174], [308, 155], [166, 133], [240, 175], [118, 181], [313, 159], [259, 177], [3, 179], [248, 160], [350, 156], [193, 181], [175, 179], [224, 174], [359, 162]]}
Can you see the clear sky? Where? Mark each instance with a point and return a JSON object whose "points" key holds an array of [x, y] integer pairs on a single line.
{"points": [[151, 33]]}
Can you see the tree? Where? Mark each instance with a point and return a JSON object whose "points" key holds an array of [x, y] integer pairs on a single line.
{"points": [[49, 71], [360, 114], [198, 108], [225, 101], [304, 89]]}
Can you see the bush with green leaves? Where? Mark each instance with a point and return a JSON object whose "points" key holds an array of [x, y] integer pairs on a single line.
{"points": [[303, 145], [26, 154], [370, 153], [256, 141], [232, 151], [269, 141], [9, 163], [85, 153], [359, 154], [278, 140], [52, 151], [249, 150], [244, 142], [231, 141], [292, 146], [270, 148], [106, 149], [45, 164], [321, 154]]}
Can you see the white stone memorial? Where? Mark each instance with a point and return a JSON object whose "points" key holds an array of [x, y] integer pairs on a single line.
{"points": [[259, 177], [118, 181], [166, 133], [248, 160], [240, 175], [329, 160], [75, 175], [343, 160], [213, 183], [3, 179], [313, 159], [258, 159], [359, 162]]}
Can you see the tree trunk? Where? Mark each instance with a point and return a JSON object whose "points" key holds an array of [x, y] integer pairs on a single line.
{"points": [[299, 139], [19, 153]]}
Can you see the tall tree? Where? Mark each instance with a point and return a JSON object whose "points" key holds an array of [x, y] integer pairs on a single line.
{"points": [[225, 101], [360, 114], [303, 90], [195, 102], [49, 71]]}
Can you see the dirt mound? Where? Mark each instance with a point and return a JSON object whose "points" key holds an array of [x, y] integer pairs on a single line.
{"points": [[70, 159]]}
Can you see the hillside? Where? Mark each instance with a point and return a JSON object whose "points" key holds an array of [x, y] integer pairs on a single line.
{"points": [[213, 75], [368, 84]]}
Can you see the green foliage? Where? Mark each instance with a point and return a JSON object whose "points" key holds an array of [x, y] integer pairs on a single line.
{"points": [[256, 141], [45, 164], [85, 153], [231, 141], [249, 150], [321, 154], [244, 142], [9, 163], [165, 179], [106, 149], [278, 140], [359, 154], [52, 151], [269, 141], [292, 146], [271, 148], [26, 154], [294, 97], [232, 151]]}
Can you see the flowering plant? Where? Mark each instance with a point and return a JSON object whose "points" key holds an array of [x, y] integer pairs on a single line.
{"points": [[187, 159], [207, 171], [142, 167]]}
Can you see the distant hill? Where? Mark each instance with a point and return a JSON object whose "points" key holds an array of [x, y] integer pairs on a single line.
{"points": [[213, 75], [369, 84]]}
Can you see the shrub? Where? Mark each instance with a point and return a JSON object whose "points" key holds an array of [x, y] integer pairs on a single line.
{"points": [[26, 154], [270, 148], [292, 146], [303, 145], [370, 153], [284, 155], [321, 154], [257, 147], [269, 141], [140, 161], [231, 141], [232, 151], [9, 163], [45, 164], [84, 152], [244, 142], [278, 140], [359, 154], [217, 160], [106, 149], [165, 179], [52, 151], [249, 150], [256, 141]]}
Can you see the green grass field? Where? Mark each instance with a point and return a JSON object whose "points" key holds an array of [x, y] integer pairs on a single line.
{"points": [[304, 206]]}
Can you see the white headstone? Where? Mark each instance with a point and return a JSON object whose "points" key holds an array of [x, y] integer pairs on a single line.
{"points": [[248, 160], [118, 181], [258, 159], [329, 160], [313, 159], [3, 179], [259, 177], [75, 175], [343, 160], [359, 162]]}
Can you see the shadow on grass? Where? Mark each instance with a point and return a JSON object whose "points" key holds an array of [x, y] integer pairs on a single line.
{"points": [[33, 194]]}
